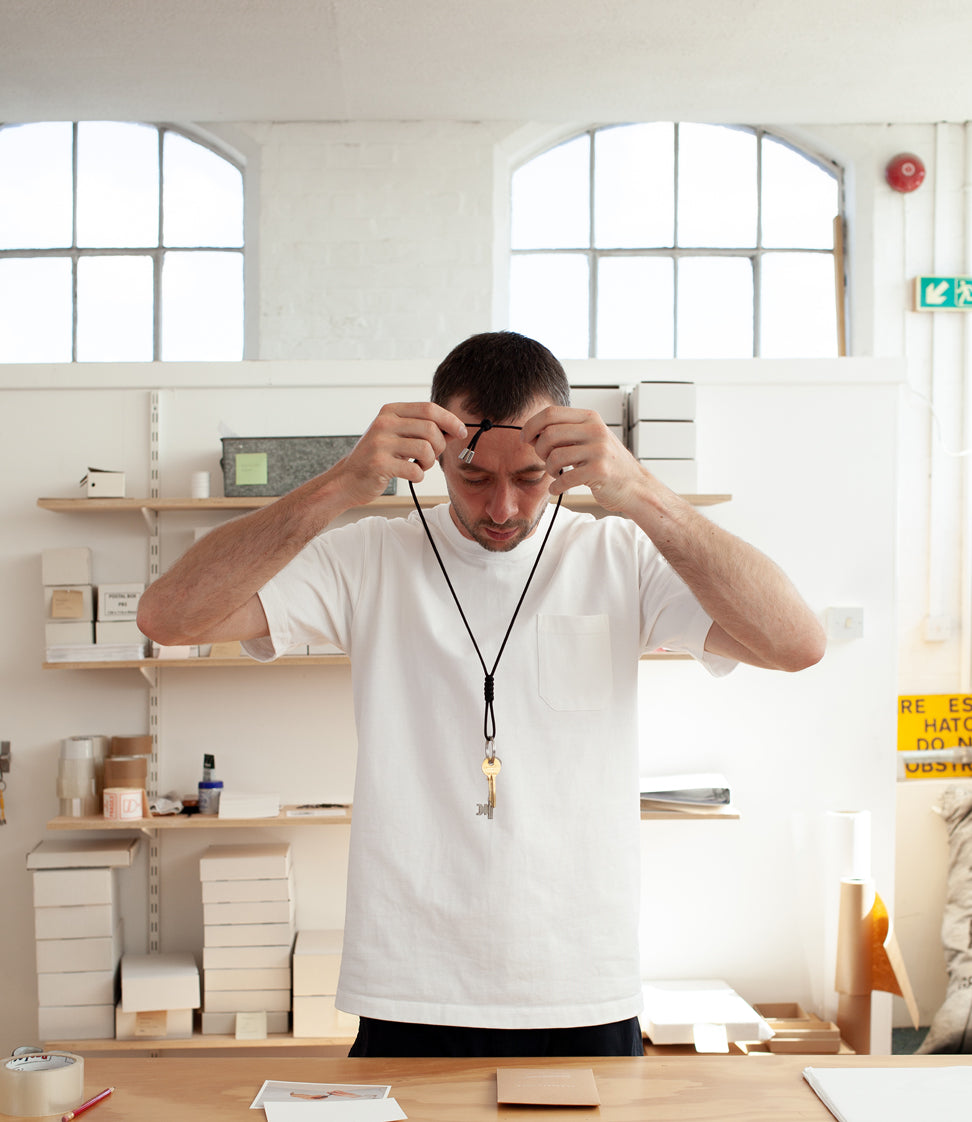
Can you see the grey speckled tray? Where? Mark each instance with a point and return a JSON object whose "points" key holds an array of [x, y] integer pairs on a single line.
{"points": [[273, 465]]}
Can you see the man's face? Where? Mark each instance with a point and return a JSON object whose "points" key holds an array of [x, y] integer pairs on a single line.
{"points": [[499, 498]]}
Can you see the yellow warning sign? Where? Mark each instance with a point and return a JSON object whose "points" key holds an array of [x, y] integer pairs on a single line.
{"points": [[929, 722]]}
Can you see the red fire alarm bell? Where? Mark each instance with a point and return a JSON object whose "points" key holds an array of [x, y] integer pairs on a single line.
{"points": [[905, 172]]}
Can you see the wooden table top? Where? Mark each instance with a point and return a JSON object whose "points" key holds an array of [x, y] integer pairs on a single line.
{"points": [[755, 1088]]}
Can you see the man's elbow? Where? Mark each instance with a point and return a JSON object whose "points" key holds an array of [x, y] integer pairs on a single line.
{"points": [[808, 651], [156, 623]]}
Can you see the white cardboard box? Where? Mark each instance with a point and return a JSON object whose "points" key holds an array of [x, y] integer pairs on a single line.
{"points": [[247, 958], [225, 1023], [680, 475], [663, 440], [104, 484], [247, 934], [153, 1024], [70, 955], [246, 1001], [77, 1022], [78, 921], [66, 565], [317, 962], [86, 987], [119, 601], [118, 631], [257, 978], [254, 911], [608, 401], [662, 401], [317, 1016], [245, 862], [68, 633], [58, 887], [83, 853], [68, 602], [159, 981], [241, 891]]}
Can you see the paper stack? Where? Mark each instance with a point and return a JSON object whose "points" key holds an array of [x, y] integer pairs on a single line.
{"points": [[248, 917], [702, 793]]}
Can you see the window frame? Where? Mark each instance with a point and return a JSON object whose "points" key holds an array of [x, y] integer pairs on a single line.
{"points": [[755, 253], [74, 252]]}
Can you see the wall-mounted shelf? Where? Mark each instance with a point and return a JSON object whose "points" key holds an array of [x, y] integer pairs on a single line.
{"points": [[199, 1043], [214, 822], [243, 663], [198, 822], [385, 502]]}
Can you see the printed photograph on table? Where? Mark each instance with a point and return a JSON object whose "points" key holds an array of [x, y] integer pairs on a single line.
{"points": [[278, 1091]]}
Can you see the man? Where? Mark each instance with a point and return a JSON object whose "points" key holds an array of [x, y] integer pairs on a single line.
{"points": [[493, 875]]}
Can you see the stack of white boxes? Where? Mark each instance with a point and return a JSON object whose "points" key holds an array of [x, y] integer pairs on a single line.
{"points": [[317, 963], [248, 916], [78, 935], [661, 432], [117, 609], [68, 597], [610, 402], [158, 995]]}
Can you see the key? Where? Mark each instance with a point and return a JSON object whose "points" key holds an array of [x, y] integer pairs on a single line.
{"points": [[491, 768]]}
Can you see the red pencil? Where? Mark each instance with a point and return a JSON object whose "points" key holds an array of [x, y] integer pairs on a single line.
{"points": [[88, 1105]]}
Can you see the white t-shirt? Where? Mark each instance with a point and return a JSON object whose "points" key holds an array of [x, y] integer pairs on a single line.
{"points": [[529, 920]]}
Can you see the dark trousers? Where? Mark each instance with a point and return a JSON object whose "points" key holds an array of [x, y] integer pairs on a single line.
{"points": [[399, 1038]]}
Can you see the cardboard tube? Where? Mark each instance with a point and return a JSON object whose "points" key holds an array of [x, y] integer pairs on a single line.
{"points": [[853, 975]]}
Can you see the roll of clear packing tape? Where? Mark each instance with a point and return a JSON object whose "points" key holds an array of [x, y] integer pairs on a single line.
{"points": [[77, 777], [41, 1083]]}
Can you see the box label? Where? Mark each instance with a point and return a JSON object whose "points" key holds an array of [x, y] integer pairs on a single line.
{"points": [[251, 469]]}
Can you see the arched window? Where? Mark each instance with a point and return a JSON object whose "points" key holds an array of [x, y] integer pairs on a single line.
{"points": [[119, 242], [667, 240]]}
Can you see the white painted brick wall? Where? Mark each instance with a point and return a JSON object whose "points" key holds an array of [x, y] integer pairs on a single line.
{"points": [[375, 239]]}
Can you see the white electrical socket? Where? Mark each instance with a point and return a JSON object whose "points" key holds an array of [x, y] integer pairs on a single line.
{"points": [[845, 623]]}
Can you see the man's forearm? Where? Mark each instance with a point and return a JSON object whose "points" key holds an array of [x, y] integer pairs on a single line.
{"points": [[212, 582], [760, 616]]}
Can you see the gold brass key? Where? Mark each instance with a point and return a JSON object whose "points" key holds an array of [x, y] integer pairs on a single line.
{"points": [[491, 768]]}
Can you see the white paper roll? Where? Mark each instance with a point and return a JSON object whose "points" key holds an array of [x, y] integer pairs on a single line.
{"points": [[41, 1083], [845, 854]]}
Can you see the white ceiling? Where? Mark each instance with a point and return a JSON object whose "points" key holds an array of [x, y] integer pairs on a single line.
{"points": [[817, 61]]}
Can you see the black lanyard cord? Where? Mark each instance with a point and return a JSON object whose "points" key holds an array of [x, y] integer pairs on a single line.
{"points": [[489, 717]]}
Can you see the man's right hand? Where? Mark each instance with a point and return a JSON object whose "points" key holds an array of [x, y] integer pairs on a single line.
{"points": [[403, 442]]}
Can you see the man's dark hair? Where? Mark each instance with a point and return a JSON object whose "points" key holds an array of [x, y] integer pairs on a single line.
{"points": [[498, 374]]}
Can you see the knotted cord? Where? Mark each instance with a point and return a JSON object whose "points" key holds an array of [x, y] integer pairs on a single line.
{"points": [[489, 716]]}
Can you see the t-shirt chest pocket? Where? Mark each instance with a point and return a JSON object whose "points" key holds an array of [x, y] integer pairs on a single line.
{"points": [[575, 661]]}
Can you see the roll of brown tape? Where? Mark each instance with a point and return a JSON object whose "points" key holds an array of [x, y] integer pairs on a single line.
{"points": [[41, 1083], [131, 746], [126, 771]]}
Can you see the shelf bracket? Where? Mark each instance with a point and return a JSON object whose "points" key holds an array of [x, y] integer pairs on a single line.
{"points": [[150, 674], [151, 519]]}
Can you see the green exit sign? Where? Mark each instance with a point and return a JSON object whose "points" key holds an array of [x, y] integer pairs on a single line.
{"points": [[948, 294]]}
